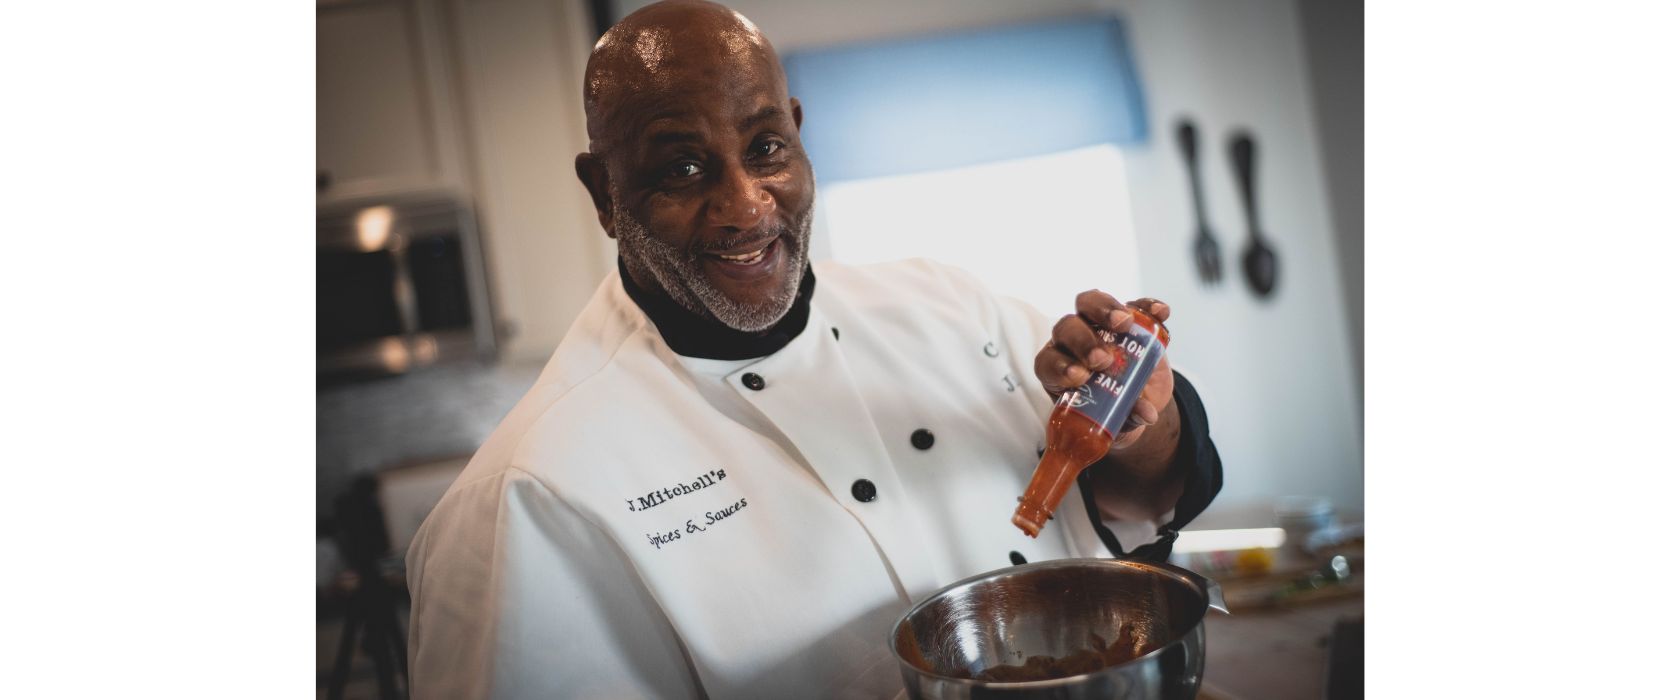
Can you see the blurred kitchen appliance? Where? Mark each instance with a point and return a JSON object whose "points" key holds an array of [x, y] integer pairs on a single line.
{"points": [[407, 494], [373, 600], [1303, 516], [1346, 673], [400, 284]]}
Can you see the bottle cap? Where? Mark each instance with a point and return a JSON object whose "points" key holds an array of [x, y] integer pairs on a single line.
{"points": [[1148, 320]]}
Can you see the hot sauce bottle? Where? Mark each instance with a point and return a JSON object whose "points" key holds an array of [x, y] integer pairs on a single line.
{"points": [[1086, 420]]}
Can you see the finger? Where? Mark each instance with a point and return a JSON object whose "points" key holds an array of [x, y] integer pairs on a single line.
{"points": [[1103, 310], [1075, 337], [1158, 389], [1145, 413], [1130, 433], [1058, 371], [1152, 306], [1161, 379]]}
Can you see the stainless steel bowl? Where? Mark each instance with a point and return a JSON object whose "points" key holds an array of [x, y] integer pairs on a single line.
{"points": [[1052, 609]]}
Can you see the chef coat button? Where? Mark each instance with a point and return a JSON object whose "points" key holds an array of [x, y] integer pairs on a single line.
{"points": [[863, 490], [1016, 558], [836, 332], [753, 381], [922, 439]]}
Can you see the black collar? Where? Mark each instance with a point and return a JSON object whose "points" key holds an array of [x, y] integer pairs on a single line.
{"points": [[692, 336]]}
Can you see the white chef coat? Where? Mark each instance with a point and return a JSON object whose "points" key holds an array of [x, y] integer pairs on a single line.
{"points": [[644, 524]]}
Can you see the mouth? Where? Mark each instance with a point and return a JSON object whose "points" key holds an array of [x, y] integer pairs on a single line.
{"points": [[749, 261], [747, 255]]}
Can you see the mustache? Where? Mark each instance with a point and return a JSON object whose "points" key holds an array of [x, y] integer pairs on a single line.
{"points": [[770, 232]]}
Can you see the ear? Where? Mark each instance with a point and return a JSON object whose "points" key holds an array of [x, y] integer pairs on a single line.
{"points": [[592, 172], [798, 112]]}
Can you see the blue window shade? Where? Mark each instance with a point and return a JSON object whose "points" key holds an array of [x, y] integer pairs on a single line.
{"points": [[947, 101]]}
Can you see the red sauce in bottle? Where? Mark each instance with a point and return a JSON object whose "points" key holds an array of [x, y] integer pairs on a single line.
{"points": [[1086, 420]]}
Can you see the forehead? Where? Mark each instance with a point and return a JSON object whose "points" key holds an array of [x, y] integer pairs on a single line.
{"points": [[661, 80], [696, 114], [706, 109]]}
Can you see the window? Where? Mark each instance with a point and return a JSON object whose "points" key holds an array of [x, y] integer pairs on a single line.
{"points": [[1039, 229]]}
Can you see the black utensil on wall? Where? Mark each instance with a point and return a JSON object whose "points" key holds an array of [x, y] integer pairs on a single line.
{"points": [[1260, 265], [1205, 248]]}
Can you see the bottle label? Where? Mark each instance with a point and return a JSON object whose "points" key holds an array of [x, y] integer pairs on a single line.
{"points": [[1108, 396]]}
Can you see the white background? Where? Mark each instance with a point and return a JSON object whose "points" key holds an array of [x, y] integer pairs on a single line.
{"points": [[158, 519]]}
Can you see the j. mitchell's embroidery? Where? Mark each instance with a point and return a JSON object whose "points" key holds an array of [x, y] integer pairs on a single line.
{"points": [[660, 496]]}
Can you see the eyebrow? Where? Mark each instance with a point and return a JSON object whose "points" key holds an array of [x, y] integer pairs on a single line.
{"points": [[666, 136], [675, 136], [766, 114], [663, 138]]}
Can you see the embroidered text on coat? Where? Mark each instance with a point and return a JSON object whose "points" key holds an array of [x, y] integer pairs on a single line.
{"points": [[659, 496]]}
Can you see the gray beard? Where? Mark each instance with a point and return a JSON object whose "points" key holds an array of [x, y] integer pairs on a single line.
{"points": [[681, 274]]}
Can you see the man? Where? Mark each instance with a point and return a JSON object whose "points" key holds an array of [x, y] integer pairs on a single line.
{"points": [[731, 479]]}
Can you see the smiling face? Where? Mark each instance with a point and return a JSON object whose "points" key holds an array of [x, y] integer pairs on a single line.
{"points": [[695, 164]]}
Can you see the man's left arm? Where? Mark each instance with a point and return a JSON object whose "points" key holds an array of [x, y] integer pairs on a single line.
{"points": [[1142, 481], [1194, 470]]}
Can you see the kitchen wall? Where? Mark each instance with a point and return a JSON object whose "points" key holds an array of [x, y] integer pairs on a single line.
{"points": [[1279, 375], [481, 98], [520, 67], [1334, 35], [476, 98]]}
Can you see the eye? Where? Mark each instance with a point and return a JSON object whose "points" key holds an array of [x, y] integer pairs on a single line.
{"points": [[766, 148], [685, 169]]}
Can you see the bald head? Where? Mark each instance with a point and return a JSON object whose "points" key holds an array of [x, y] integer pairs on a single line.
{"points": [[695, 164], [667, 49]]}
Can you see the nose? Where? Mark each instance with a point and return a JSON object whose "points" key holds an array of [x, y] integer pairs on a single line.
{"points": [[739, 201]]}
